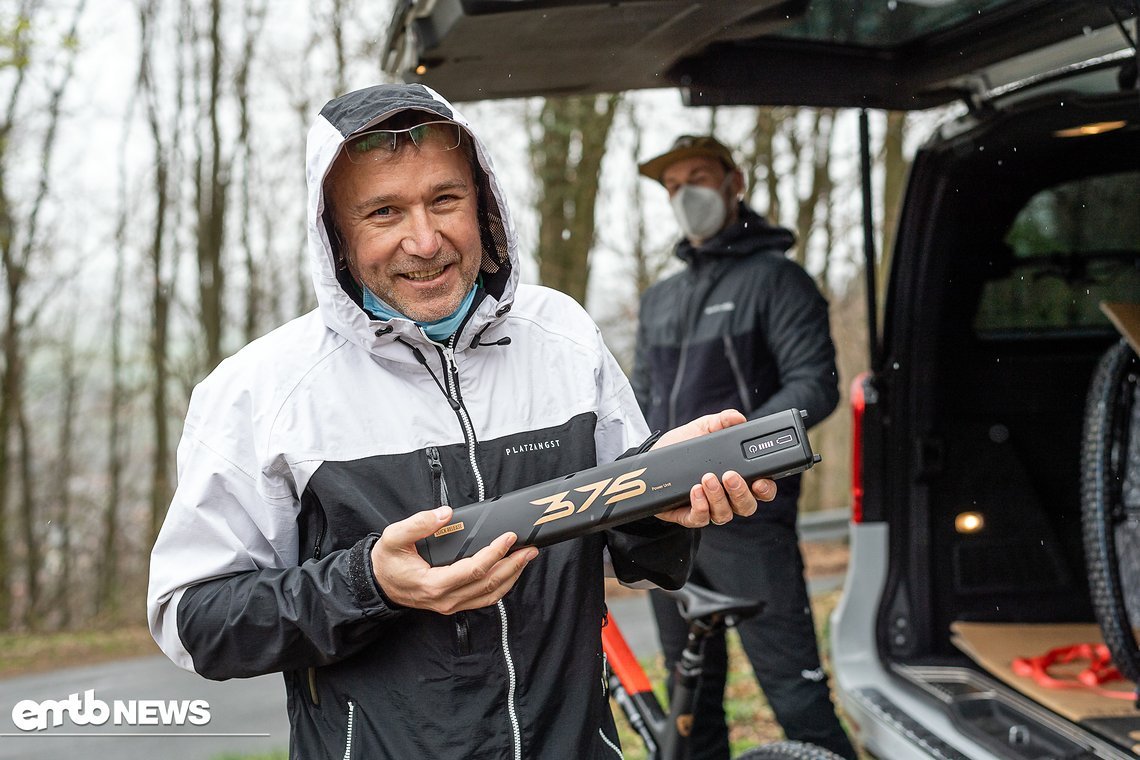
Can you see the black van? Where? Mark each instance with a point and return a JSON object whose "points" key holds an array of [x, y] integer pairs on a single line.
{"points": [[996, 503]]}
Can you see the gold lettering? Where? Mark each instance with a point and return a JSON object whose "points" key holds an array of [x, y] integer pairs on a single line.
{"points": [[454, 527], [596, 488], [626, 487], [617, 489], [559, 507]]}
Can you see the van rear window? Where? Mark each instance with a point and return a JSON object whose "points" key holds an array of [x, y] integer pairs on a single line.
{"points": [[1070, 247]]}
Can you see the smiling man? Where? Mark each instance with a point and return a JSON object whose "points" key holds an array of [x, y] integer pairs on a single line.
{"points": [[314, 459], [416, 248]]}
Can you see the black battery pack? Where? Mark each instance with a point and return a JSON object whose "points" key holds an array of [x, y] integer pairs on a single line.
{"points": [[628, 489]]}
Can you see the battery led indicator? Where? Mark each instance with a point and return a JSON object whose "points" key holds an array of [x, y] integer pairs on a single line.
{"points": [[768, 444]]}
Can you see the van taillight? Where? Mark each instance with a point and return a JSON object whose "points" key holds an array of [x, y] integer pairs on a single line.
{"points": [[858, 406]]}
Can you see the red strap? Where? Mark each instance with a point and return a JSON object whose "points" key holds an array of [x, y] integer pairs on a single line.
{"points": [[1100, 669]]}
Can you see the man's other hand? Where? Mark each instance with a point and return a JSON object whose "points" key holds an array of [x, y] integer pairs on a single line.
{"points": [[715, 500], [477, 581]]}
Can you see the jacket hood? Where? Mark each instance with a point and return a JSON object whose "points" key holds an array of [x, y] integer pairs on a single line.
{"points": [[749, 234], [338, 295]]}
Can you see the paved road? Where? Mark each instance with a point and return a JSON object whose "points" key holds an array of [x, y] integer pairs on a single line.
{"points": [[246, 715]]}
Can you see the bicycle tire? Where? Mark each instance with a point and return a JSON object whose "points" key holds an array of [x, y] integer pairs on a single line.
{"points": [[1108, 463], [789, 751]]}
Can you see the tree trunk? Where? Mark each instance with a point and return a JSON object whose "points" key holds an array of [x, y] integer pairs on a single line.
{"points": [[106, 597], [251, 29], [820, 183], [10, 342], [895, 169], [567, 154], [759, 162], [647, 264], [11, 391], [162, 258], [336, 31], [14, 261], [30, 521], [64, 471], [212, 183]]}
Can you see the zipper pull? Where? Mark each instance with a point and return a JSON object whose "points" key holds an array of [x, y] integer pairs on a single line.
{"points": [[453, 368], [449, 355], [435, 464]]}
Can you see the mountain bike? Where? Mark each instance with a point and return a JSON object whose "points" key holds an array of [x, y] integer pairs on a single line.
{"points": [[666, 737]]}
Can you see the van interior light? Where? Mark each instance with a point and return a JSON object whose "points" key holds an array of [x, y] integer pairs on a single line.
{"points": [[969, 522], [1086, 130]]}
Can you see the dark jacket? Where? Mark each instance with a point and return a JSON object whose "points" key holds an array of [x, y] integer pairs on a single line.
{"points": [[299, 449], [741, 327]]}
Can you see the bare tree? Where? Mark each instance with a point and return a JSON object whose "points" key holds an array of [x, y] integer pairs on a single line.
{"points": [[647, 264], [15, 266], [567, 146], [817, 155], [212, 177], [161, 258], [253, 19], [759, 160], [107, 575], [15, 258], [338, 13], [69, 388]]}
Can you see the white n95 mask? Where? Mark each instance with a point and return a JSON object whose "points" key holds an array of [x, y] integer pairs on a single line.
{"points": [[700, 211]]}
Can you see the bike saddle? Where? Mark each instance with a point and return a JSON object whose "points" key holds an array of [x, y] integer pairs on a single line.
{"points": [[696, 602]]}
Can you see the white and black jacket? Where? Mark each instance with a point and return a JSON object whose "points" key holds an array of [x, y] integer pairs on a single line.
{"points": [[300, 449]]}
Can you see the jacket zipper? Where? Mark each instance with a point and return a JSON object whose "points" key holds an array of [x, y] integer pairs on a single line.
{"points": [[451, 380], [734, 363], [512, 712], [348, 732]]}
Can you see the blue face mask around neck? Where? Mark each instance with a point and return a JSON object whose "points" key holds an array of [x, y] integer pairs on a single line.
{"points": [[439, 330]]}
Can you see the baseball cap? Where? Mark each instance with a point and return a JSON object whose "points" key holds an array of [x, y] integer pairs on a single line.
{"points": [[687, 146]]}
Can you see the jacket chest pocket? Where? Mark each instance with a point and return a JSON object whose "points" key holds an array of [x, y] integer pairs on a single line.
{"points": [[461, 627]]}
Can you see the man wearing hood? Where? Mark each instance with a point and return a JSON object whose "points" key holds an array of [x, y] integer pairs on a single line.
{"points": [[740, 326], [313, 460]]}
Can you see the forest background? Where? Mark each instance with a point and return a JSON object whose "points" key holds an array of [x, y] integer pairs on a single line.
{"points": [[152, 198]]}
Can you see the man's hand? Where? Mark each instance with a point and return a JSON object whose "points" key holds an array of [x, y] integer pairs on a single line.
{"points": [[471, 583], [715, 500]]}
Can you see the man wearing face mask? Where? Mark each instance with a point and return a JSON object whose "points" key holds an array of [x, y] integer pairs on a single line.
{"points": [[742, 326]]}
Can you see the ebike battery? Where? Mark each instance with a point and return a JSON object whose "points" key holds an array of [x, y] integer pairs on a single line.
{"points": [[628, 489]]}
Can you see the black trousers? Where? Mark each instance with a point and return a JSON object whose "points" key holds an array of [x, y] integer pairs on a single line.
{"points": [[759, 562]]}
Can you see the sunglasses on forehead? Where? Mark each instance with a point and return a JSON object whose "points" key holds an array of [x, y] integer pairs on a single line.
{"points": [[378, 143]]}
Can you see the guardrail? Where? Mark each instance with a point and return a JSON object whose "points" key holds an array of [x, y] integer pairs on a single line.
{"points": [[824, 524]]}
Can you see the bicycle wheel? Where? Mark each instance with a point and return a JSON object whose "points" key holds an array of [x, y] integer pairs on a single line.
{"points": [[1110, 503], [787, 749]]}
